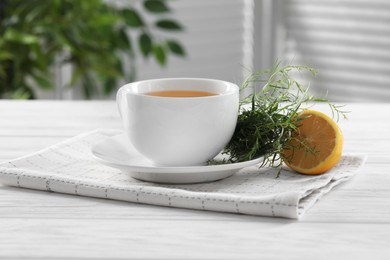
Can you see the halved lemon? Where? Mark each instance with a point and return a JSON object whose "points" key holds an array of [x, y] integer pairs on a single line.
{"points": [[317, 145]]}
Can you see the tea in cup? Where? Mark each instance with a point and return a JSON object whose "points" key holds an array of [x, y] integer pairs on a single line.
{"points": [[179, 121]]}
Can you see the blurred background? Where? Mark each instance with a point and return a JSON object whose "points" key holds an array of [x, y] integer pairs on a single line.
{"points": [[87, 49]]}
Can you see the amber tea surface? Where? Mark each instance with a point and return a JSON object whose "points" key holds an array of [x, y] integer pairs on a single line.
{"points": [[181, 93]]}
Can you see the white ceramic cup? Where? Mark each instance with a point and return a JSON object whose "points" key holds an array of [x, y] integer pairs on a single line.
{"points": [[179, 131]]}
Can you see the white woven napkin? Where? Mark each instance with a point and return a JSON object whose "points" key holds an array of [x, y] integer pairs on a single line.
{"points": [[69, 167]]}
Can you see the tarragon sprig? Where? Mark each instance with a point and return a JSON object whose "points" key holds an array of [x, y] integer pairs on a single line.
{"points": [[268, 115]]}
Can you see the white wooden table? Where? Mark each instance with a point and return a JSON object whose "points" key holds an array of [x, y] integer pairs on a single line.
{"points": [[351, 222]]}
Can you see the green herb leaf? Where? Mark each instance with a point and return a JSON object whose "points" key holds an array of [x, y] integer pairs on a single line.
{"points": [[22, 93], [169, 25], [156, 6], [145, 44], [4, 55], [105, 19], [132, 18], [23, 38], [176, 48], [123, 39], [159, 54]]}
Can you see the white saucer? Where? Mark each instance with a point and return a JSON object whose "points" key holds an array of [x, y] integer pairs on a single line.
{"points": [[117, 152]]}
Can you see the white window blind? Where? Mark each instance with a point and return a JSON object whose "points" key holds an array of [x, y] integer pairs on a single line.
{"points": [[218, 39], [347, 41]]}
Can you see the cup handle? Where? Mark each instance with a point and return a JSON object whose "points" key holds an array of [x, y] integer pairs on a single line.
{"points": [[121, 100]]}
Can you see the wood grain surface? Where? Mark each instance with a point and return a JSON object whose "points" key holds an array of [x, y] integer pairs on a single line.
{"points": [[351, 222]]}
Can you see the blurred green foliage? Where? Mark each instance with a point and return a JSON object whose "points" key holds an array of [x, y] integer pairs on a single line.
{"points": [[91, 35]]}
